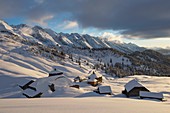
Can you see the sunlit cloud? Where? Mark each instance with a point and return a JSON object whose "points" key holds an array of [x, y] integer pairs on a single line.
{"points": [[66, 25], [111, 37], [42, 20]]}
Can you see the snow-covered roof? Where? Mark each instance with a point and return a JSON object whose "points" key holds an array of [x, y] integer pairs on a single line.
{"points": [[62, 81], [105, 89], [131, 84], [92, 80], [30, 92], [95, 75], [151, 94], [55, 71]]}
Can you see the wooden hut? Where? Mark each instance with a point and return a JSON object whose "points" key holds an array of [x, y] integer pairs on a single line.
{"points": [[92, 82], [94, 79], [55, 72], [133, 87], [104, 90], [151, 95], [95, 75]]}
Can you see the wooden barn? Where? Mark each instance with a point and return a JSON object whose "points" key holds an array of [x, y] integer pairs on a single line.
{"points": [[95, 75], [104, 90], [55, 72], [151, 95], [94, 79], [92, 82], [133, 87]]}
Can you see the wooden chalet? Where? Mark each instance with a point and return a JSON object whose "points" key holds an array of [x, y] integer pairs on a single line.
{"points": [[94, 79], [133, 87], [55, 72], [104, 90]]}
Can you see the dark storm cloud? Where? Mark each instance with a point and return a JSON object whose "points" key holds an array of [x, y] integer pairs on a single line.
{"points": [[12, 8], [140, 18]]}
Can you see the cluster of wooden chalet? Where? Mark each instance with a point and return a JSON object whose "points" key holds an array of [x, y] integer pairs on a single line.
{"points": [[135, 88], [132, 88], [95, 79], [26, 86]]}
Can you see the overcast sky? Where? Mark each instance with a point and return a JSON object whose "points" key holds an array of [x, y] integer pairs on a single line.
{"points": [[144, 22]]}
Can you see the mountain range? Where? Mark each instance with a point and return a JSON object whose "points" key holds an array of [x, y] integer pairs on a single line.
{"points": [[49, 37], [113, 57]]}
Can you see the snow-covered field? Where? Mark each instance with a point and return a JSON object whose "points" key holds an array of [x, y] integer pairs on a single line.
{"points": [[82, 105]]}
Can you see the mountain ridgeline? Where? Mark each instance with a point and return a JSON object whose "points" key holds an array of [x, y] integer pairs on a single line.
{"points": [[111, 57]]}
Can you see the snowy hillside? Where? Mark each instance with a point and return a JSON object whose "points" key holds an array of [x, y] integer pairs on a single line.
{"points": [[165, 51], [5, 27]]}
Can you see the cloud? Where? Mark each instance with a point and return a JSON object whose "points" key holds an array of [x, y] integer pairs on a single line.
{"points": [[42, 21], [68, 25], [15, 8], [137, 18], [111, 37]]}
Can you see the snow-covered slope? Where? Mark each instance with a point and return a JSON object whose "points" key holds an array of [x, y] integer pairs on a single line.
{"points": [[133, 47], [40, 34], [26, 32], [5, 27], [165, 51], [35, 34]]}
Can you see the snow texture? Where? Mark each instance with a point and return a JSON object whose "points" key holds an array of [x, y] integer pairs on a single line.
{"points": [[82, 105]]}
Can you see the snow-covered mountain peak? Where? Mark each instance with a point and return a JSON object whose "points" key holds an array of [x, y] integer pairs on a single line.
{"points": [[23, 29], [4, 26], [38, 28], [20, 26]]}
